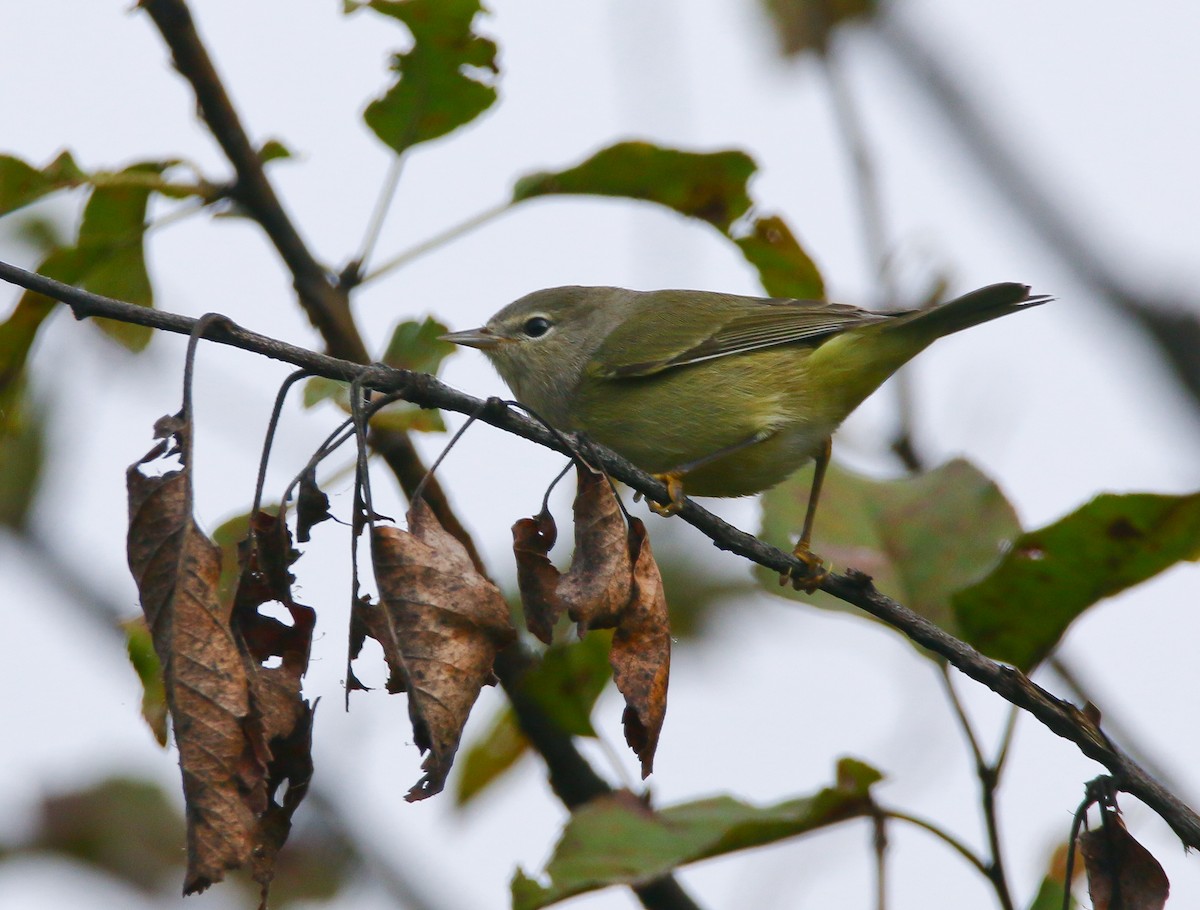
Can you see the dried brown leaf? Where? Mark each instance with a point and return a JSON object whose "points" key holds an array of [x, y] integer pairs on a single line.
{"points": [[312, 505], [1121, 872], [177, 570], [641, 652], [440, 623], [281, 719], [537, 578], [598, 585]]}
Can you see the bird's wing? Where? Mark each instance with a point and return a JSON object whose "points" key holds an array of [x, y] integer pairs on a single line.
{"points": [[660, 345]]}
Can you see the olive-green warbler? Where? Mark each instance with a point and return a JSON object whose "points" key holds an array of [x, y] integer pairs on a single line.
{"points": [[725, 394]]}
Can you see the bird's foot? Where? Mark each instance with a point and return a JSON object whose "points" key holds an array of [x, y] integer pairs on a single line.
{"points": [[674, 484], [811, 576]]}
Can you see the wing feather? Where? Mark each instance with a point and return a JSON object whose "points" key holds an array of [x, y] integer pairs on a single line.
{"points": [[769, 323]]}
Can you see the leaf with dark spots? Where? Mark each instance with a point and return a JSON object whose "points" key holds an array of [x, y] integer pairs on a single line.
{"points": [[597, 588], [537, 578], [1122, 874], [440, 623], [312, 505], [1020, 611], [177, 571], [641, 652]]}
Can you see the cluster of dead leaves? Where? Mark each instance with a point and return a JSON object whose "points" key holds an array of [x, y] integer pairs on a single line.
{"points": [[613, 583], [232, 673]]}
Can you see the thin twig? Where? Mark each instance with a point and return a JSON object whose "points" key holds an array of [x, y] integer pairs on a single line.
{"points": [[949, 839], [1058, 716], [989, 779]]}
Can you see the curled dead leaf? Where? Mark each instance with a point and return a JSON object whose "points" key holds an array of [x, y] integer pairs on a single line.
{"points": [[177, 569], [537, 578], [597, 587], [641, 652], [613, 583]]}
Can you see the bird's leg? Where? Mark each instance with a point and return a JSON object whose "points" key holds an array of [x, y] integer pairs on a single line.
{"points": [[674, 477], [815, 571]]}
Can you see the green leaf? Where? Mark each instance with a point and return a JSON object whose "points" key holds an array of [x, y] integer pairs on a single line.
{"points": [[17, 334], [112, 252], [21, 184], [1050, 896], [920, 538], [126, 827], [1020, 611], [805, 25], [784, 268], [273, 150], [565, 685], [710, 186], [418, 346], [140, 647], [399, 416], [320, 388], [569, 679], [444, 80], [22, 454], [403, 416], [617, 840], [487, 758]]}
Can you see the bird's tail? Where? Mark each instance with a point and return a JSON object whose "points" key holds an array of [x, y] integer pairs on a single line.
{"points": [[979, 306]]}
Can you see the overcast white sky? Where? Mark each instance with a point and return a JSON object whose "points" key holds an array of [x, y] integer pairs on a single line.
{"points": [[1056, 405]]}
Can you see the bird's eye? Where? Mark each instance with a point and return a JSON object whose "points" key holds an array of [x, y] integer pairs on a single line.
{"points": [[537, 326]]}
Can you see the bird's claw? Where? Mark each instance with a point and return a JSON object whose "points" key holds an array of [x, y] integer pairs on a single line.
{"points": [[811, 577], [674, 483]]}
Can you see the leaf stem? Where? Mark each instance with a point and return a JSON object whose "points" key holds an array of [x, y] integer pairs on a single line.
{"points": [[944, 836], [452, 233], [383, 204]]}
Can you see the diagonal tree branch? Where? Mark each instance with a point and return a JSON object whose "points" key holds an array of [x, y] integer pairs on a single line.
{"points": [[1060, 717]]}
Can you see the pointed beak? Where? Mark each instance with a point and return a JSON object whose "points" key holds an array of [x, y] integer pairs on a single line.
{"points": [[480, 338]]}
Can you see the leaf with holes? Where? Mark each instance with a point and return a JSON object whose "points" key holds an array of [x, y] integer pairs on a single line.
{"points": [[441, 624]]}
